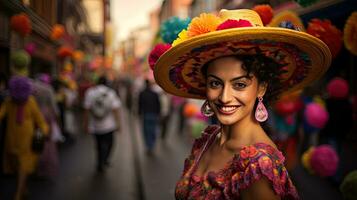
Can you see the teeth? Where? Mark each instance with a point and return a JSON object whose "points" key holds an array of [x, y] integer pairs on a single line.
{"points": [[228, 108]]}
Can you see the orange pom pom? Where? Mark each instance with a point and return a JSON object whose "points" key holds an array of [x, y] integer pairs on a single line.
{"points": [[64, 52], [265, 12], [21, 23], [205, 23], [190, 110], [57, 32]]}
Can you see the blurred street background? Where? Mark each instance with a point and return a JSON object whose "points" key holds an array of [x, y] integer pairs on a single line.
{"points": [[65, 46]]}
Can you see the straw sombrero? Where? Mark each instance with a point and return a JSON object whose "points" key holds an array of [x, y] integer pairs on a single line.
{"points": [[304, 57]]}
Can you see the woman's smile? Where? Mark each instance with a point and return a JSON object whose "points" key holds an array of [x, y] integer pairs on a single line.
{"points": [[227, 109]]}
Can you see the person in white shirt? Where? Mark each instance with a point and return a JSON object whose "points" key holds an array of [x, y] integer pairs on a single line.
{"points": [[101, 118]]}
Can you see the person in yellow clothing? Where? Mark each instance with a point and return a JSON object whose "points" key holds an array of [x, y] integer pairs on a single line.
{"points": [[23, 117]]}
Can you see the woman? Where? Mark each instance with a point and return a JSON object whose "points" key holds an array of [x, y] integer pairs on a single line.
{"points": [[23, 116], [237, 65]]}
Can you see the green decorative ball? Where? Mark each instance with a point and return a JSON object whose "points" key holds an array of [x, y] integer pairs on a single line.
{"points": [[348, 186], [20, 59], [197, 128]]}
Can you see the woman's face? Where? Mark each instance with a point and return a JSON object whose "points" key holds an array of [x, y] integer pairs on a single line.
{"points": [[231, 92]]}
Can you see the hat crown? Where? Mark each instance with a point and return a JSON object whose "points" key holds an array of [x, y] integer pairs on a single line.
{"points": [[244, 14]]}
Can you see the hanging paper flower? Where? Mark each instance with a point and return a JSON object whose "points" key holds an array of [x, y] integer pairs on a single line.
{"points": [[78, 55], [306, 158], [19, 88], [306, 3], [316, 116], [328, 33], [20, 59], [190, 110], [265, 12], [21, 23], [182, 36], [287, 19], [155, 54], [64, 51], [324, 160], [348, 186], [350, 33], [232, 23], [30, 48], [170, 29], [337, 88], [205, 23], [57, 32]]}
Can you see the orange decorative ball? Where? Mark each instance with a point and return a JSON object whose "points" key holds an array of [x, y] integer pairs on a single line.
{"points": [[265, 12], [190, 110], [57, 32]]}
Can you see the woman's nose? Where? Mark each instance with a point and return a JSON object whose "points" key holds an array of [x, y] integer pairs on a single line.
{"points": [[226, 95]]}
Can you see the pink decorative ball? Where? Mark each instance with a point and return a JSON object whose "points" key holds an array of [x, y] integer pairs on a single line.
{"points": [[324, 161], [338, 88], [30, 48], [316, 116]]}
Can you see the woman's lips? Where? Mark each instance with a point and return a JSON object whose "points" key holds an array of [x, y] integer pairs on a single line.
{"points": [[226, 110]]}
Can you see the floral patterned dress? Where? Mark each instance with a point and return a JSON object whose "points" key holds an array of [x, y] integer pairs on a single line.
{"points": [[250, 164]]}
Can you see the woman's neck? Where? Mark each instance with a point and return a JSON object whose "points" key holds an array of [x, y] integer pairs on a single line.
{"points": [[243, 132]]}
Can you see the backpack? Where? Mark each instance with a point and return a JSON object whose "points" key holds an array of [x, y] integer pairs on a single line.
{"points": [[101, 105]]}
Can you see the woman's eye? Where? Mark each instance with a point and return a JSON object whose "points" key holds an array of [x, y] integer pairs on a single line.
{"points": [[214, 84], [240, 85]]}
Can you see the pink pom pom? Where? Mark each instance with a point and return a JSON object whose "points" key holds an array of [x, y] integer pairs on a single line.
{"points": [[324, 161], [337, 88], [30, 48], [316, 115], [156, 52], [232, 23]]}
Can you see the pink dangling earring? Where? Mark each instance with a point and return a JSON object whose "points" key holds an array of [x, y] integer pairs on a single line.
{"points": [[206, 110], [261, 113]]}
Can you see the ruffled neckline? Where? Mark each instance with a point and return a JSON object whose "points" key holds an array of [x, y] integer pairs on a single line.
{"points": [[228, 165]]}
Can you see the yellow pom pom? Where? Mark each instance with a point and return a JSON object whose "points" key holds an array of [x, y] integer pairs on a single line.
{"points": [[205, 23], [350, 33], [305, 159], [182, 36]]}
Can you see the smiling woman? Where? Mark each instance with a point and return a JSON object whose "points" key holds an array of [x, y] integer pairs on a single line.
{"points": [[238, 67]]}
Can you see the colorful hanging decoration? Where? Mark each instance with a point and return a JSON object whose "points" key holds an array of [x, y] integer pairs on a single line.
{"points": [[265, 12], [348, 186], [350, 33], [337, 88], [328, 33], [306, 158], [324, 160], [30, 48], [197, 128], [170, 28], [21, 23], [316, 116], [20, 59], [78, 55], [305, 3], [57, 32], [190, 110], [64, 51], [286, 17]]}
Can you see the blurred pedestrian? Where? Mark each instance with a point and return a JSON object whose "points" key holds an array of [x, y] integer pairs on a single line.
{"points": [[165, 114], [149, 111], [101, 118], [23, 116]]}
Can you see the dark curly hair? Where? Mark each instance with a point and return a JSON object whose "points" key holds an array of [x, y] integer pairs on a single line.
{"points": [[266, 70]]}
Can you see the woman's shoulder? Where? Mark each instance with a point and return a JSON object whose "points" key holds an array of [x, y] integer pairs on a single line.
{"points": [[262, 160]]}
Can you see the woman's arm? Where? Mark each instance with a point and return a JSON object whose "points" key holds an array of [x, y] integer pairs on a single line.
{"points": [[260, 190], [38, 117]]}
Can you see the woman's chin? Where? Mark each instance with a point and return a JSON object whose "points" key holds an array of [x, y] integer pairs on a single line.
{"points": [[226, 120]]}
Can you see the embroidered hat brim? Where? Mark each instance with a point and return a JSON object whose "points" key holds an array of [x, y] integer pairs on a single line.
{"points": [[304, 57]]}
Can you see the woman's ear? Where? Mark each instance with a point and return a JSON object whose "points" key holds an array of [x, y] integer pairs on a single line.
{"points": [[262, 88]]}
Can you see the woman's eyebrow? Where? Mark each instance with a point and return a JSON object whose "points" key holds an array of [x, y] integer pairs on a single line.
{"points": [[234, 79], [240, 77]]}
